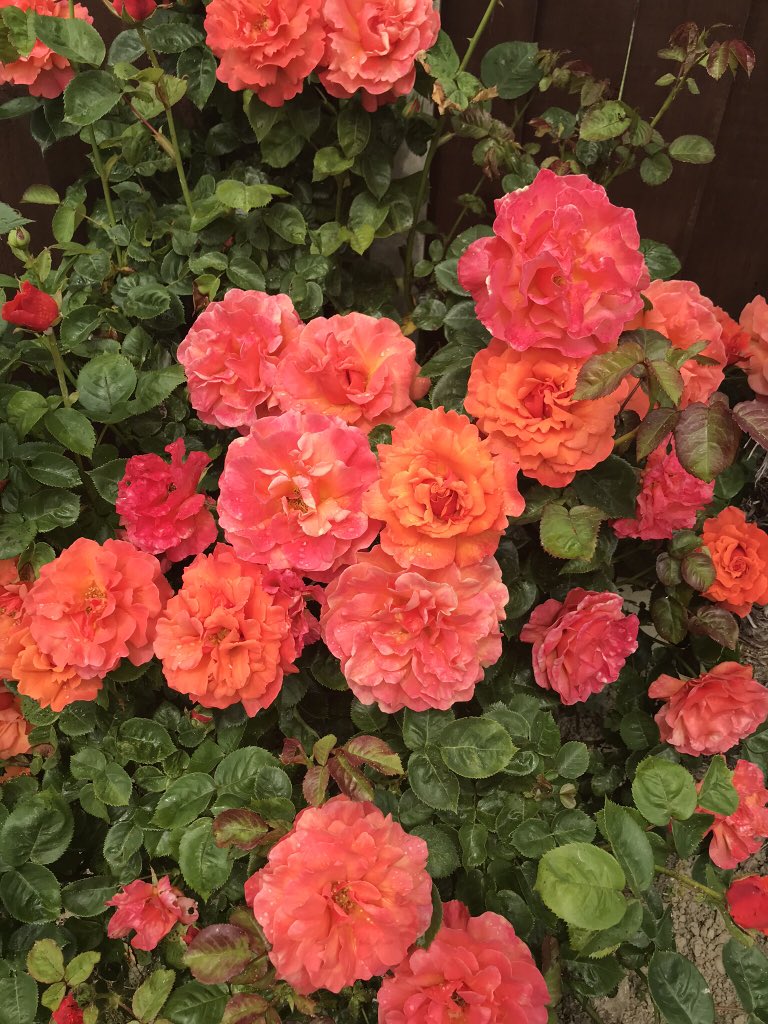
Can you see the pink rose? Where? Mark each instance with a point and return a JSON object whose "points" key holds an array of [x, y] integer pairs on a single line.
{"points": [[669, 499], [357, 367], [292, 593], [710, 714], [44, 72], [475, 970], [735, 837], [581, 644], [754, 320], [159, 506], [291, 494], [342, 896], [269, 46], [14, 728], [231, 352], [372, 46], [563, 269], [734, 337], [414, 638], [151, 910]]}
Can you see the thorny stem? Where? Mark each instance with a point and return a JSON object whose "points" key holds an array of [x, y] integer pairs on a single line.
{"points": [[624, 438], [437, 138], [691, 883], [629, 50], [628, 399]]}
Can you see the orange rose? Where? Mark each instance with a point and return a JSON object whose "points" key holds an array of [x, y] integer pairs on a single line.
{"points": [[39, 678], [443, 496], [754, 320], [524, 401], [739, 552], [12, 592], [14, 728]]}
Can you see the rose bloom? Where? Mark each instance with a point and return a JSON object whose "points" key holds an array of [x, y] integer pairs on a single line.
{"points": [[754, 320], [291, 494], [139, 10], [150, 910], [735, 837], [739, 552], [581, 644], [748, 902], [443, 495], [230, 353], [68, 1011], [669, 499], [291, 592], [51, 685], [94, 605], [44, 72], [710, 714], [735, 338], [12, 592], [372, 46], [410, 638], [563, 269], [524, 402], [475, 970], [269, 46], [14, 728], [223, 639], [356, 367], [30, 307], [159, 507], [342, 896]]}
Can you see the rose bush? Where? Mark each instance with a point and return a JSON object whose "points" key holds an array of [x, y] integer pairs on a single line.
{"points": [[369, 603]]}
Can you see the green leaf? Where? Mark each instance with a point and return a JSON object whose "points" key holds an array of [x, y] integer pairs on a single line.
{"points": [[707, 438], [184, 800], [105, 382], [570, 533], [611, 486], [24, 409], [71, 37], [72, 429], [287, 222], [53, 469], [660, 260], [656, 169], [354, 129], [630, 845], [38, 829], [679, 991], [204, 865], [476, 748], [604, 121], [15, 535], [218, 954], [669, 619], [80, 968], [175, 35], [718, 793], [663, 790], [146, 301], [747, 967], [602, 374], [473, 840], [330, 162], [239, 196], [422, 728], [583, 885], [198, 67], [432, 782], [106, 479], [89, 96], [45, 962], [572, 760], [443, 847], [42, 195], [146, 741], [692, 149], [18, 999], [513, 68], [9, 218], [657, 425], [86, 896], [113, 786], [150, 997], [196, 1004], [31, 894], [688, 834]]}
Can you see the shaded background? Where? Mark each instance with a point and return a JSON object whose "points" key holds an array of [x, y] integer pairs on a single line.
{"points": [[715, 217]]}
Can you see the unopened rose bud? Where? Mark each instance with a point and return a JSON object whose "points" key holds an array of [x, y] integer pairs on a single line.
{"points": [[19, 238]]}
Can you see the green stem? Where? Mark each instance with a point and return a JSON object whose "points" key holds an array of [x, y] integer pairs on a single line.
{"points": [[624, 438], [478, 34], [462, 214], [671, 97], [59, 367], [690, 883], [101, 170], [629, 50], [174, 139], [628, 399]]}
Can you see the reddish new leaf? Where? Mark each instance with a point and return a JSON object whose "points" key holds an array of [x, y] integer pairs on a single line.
{"points": [[716, 623], [349, 780], [655, 428], [752, 417], [707, 438], [245, 1008], [218, 953], [376, 754], [239, 827], [744, 54], [698, 571], [315, 784], [293, 753], [242, 918]]}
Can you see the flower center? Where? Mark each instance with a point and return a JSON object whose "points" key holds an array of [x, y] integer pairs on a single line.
{"points": [[340, 896], [296, 502], [445, 501], [94, 599]]}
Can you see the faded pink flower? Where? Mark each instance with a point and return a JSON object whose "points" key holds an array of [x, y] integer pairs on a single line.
{"points": [[563, 269], [754, 320], [581, 644], [291, 494], [669, 498], [159, 506], [475, 971], [231, 352], [342, 896], [150, 910], [372, 47], [357, 367], [292, 593], [414, 638], [268, 46], [710, 714], [735, 837], [42, 71]]}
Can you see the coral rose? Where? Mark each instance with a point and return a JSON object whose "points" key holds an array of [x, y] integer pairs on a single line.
{"points": [[581, 644], [342, 896], [269, 46], [291, 592], [12, 592], [150, 910], [159, 506], [669, 499], [710, 714], [748, 902], [739, 552], [410, 638], [44, 72], [291, 494], [51, 685], [735, 338], [31, 308], [14, 728], [372, 46], [230, 354], [563, 269], [754, 320], [524, 402], [735, 837], [94, 605], [68, 1011], [443, 495], [223, 638], [476, 969], [356, 367]]}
